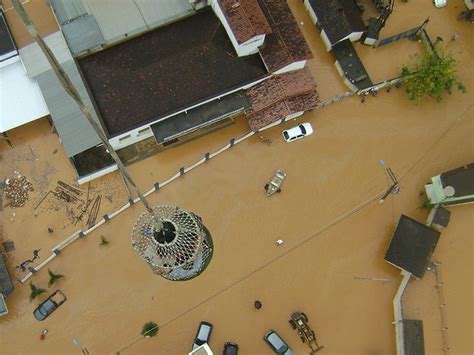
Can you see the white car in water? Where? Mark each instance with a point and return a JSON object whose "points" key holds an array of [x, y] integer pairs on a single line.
{"points": [[298, 132], [440, 3]]}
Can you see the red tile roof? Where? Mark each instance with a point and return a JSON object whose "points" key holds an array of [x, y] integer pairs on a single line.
{"points": [[245, 18], [286, 44], [279, 96], [279, 87]]}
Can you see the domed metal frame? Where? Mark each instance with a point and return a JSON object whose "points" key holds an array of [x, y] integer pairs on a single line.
{"points": [[174, 242]]}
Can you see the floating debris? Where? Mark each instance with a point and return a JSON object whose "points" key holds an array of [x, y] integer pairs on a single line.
{"points": [[67, 193], [16, 191]]}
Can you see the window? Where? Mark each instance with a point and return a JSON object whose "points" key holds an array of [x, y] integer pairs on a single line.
{"points": [[143, 131], [124, 138]]}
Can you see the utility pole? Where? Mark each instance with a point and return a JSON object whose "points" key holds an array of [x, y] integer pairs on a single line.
{"points": [[72, 91]]}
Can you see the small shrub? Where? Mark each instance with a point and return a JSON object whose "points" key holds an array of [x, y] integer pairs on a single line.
{"points": [[426, 204], [35, 291], [150, 329], [53, 278]]}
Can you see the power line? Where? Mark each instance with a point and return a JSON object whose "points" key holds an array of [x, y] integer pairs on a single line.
{"points": [[304, 241]]}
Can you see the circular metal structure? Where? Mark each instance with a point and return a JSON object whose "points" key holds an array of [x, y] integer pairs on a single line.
{"points": [[174, 242]]}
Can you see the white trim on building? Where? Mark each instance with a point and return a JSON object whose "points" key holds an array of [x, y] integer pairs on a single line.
{"points": [[248, 47]]}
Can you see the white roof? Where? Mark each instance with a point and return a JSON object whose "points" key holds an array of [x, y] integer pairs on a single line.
{"points": [[21, 100]]}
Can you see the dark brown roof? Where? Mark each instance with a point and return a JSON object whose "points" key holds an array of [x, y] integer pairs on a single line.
{"points": [[279, 96], [245, 18], [338, 18], [286, 43], [166, 70]]}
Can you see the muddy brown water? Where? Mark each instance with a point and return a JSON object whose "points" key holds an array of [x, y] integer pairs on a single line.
{"points": [[331, 249]]}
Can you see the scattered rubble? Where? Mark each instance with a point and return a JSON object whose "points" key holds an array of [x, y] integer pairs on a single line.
{"points": [[16, 191]]}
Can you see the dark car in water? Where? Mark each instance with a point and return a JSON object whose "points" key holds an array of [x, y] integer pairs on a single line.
{"points": [[231, 348], [49, 305]]}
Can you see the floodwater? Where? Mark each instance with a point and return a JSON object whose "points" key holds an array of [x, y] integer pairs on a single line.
{"points": [[330, 265]]}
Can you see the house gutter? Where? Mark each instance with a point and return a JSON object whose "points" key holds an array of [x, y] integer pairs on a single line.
{"points": [[398, 313]]}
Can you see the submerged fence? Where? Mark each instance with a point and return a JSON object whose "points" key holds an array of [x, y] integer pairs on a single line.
{"points": [[56, 250]]}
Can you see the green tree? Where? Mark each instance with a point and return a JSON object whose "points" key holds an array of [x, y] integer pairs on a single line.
{"points": [[434, 75], [150, 329], [53, 278], [35, 291]]}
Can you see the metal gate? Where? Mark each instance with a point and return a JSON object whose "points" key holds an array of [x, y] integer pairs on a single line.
{"points": [[406, 34]]}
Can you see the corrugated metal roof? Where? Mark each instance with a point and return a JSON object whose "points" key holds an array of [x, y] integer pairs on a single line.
{"points": [[34, 60], [69, 10], [159, 12], [75, 132], [82, 34], [119, 19]]}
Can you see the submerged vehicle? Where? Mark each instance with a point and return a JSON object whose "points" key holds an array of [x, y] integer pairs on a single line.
{"points": [[203, 334], [278, 345], [274, 185], [299, 321], [49, 305]]}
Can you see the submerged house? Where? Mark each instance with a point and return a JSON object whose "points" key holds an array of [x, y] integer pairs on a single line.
{"points": [[340, 23], [454, 187], [156, 74], [337, 20], [410, 250]]}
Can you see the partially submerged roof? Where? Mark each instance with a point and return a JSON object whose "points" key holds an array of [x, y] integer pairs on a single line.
{"points": [[460, 179], [6, 284], [280, 96], [166, 71], [245, 18], [439, 217], [452, 187], [338, 18], [351, 65], [411, 246], [413, 338], [286, 44]]}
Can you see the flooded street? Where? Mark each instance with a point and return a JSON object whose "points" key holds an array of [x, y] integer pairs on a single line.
{"points": [[335, 233]]}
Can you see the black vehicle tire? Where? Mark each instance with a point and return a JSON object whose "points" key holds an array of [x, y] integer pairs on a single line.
{"points": [[292, 323]]}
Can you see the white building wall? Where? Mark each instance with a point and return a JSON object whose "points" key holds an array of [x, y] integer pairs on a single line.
{"points": [[310, 10], [326, 41], [144, 132], [246, 48], [293, 66]]}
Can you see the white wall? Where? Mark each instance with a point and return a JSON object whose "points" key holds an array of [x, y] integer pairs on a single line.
{"points": [[312, 15], [121, 141], [97, 174], [246, 48], [290, 67], [326, 41]]}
